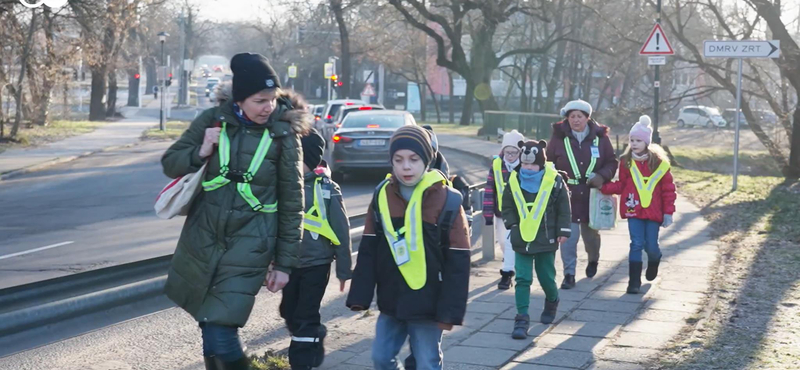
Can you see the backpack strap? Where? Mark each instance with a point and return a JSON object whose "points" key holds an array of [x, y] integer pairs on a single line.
{"points": [[449, 212], [375, 209]]}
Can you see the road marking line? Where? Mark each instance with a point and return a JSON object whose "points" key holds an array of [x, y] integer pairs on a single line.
{"points": [[35, 250]]}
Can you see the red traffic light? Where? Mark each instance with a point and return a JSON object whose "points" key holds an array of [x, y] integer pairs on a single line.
{"points": [[136, 76], [340, 83], [170, 75]]}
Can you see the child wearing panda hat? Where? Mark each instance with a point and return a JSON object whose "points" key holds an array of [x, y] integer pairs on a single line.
{"points": [[537, 211]]}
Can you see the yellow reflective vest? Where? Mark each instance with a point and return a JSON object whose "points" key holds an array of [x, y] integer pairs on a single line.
{"points": [[408, 244], [531, 214], [499, 181], [316, 218], [645, 186]]}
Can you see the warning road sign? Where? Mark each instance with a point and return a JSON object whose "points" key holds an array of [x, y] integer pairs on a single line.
{"points": [[368, 90], [657, 43]]}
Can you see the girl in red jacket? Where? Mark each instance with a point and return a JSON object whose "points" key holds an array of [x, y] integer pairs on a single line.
{"points": [[647, 199]]}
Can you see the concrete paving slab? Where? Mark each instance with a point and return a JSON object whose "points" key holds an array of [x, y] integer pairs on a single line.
{"points": [[555, 357], [478, 356], [572, 342], [587, 329], [644, 340], [493, 340], [611, 306], [600, 316], [628, 354]]}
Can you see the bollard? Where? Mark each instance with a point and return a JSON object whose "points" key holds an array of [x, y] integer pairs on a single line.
{"points": [[487, 232]]}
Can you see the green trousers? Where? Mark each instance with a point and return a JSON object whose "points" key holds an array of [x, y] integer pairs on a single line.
{"points": [[545, 271]]}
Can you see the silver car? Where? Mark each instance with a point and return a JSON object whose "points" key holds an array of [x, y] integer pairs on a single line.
{"points": [[362, 142]]}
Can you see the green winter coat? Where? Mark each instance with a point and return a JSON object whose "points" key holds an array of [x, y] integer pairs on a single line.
{"points": [[225, 247], [555, 223]]}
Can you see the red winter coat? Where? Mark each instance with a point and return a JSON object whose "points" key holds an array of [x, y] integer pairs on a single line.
{"points": [[629, 205], [605, 166]]}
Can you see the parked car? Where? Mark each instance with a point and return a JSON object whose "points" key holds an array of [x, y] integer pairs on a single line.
{"points": [[730, 117], [700, 116], [211, 82], [362, 142]]}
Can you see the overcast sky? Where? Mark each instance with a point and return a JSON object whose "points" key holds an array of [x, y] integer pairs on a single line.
{"points": [[234, 10]]}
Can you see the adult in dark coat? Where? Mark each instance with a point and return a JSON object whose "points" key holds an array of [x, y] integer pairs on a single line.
{"points": [[588, 140]]}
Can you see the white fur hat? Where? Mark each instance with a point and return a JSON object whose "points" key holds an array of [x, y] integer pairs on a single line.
{"points": [[512, 139], [642, 130], [580, 105]]}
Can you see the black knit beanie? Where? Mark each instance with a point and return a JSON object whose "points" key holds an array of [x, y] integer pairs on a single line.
{"points": [[251, 74], [413, 138], [313, 147]]}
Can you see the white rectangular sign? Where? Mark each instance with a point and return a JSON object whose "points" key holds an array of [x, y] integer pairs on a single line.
{"points": [[656, 61], [328, 70], [742, 49]]}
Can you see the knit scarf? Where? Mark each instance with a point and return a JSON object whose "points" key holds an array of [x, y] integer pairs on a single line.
{"points": [[242, 116], [640, 158], [530, 180], [511, 165]]}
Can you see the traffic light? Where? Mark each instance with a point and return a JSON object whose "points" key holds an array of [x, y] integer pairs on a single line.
{"points": [[340, 83], [137, 76], [334, 78], [169, 80]]}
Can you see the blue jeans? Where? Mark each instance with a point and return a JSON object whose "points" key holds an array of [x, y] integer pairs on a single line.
{"points": [[425, 338], [644, 235], [221, 341]]}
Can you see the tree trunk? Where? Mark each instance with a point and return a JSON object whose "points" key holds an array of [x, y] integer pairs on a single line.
{"points": [[792, 171], [25, 55], [97, 108], [450, 103], [466, 111], [111, 105], [344, 38], [435, 102]]}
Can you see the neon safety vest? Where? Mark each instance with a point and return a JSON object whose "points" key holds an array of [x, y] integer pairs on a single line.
{"points": [[499, 181], [243, 186], [576, 171], [316, 219], [645, 186], [531, 214], [407, 244]]}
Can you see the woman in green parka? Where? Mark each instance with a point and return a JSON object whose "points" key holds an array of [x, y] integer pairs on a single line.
{"points": [[248, 215]]}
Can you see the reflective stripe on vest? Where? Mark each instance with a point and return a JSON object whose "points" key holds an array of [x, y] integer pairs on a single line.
{"points": [[576, 171], [316, 218], [499, 181], [531, 214], [415, 270], [242, 187], [645, 186]]}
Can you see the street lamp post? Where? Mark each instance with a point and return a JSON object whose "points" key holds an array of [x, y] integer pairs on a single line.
{"points": [[162, 37]]}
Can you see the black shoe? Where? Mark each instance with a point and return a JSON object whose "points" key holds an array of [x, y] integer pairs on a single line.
{"points": [[521, 325], [549, 312], [240, 364], [569, 282], [210, 363], [652, 270], [591, 269], [634, 277], [506, 280]]}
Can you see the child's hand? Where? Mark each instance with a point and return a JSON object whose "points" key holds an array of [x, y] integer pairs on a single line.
{"points": [[562, 239], [445, 327], [667, 221], [342, 284]]}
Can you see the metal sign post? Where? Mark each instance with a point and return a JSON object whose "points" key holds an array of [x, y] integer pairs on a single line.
{"points": [[740, 49], [656, 47]]}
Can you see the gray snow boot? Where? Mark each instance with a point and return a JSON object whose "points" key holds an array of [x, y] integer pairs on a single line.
{"points": [[521, 325], [549, 312]]}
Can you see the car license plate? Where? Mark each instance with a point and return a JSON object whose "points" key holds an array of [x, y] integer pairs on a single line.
{"points": [[372, 142]]}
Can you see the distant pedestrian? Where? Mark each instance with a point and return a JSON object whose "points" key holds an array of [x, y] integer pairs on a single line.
{"points": [[502, 166], [582, 148], [250, 212], [326, 237], [647, 199], [415, 250], [536, 210]]}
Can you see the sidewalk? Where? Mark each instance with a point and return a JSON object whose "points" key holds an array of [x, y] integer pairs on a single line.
{"points": [[598, 326], [14, 162]]}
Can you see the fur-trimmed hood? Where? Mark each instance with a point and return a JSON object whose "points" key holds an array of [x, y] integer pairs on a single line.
{"points": [[561, 129], [299, 117]]}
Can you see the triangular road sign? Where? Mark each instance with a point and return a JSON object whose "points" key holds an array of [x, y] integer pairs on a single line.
{"points": [[368, 90], [657, 43]]}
